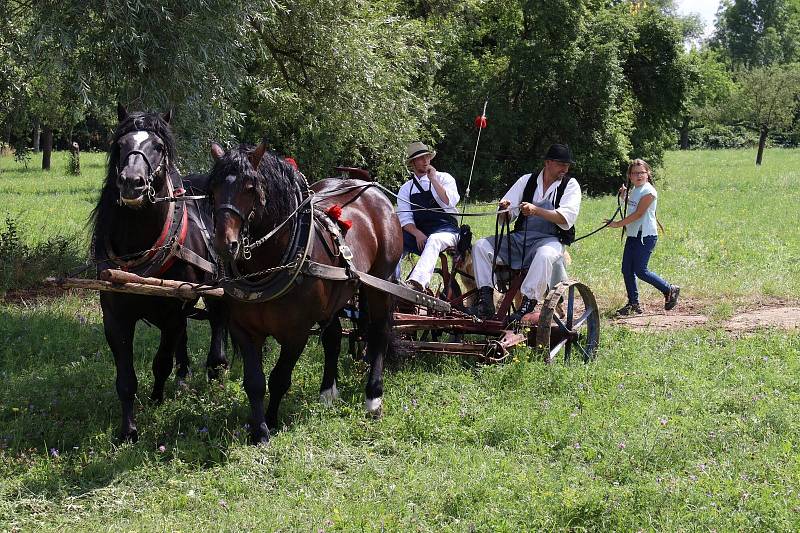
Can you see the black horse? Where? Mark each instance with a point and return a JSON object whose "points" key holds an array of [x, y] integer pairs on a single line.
{"points": [[287, 257], [142, 225]]}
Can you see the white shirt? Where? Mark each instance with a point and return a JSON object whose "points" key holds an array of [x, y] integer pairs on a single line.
{"points": [[569, 206], [403, 196]]}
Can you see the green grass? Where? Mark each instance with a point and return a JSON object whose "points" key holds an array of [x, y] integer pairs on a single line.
{"points": [[686, 430], [51, 203]]}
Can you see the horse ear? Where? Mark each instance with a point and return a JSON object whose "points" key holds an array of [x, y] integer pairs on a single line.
{"points": [[167, 116], [257, 154], [217, 151], [122, 113]]}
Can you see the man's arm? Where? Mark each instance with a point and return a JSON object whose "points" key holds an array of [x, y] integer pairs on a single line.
{"points": [[567, 212], [513, 197], [444, 188]]}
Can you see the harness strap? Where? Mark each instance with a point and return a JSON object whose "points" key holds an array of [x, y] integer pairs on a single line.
{"points": [[184, 253]]}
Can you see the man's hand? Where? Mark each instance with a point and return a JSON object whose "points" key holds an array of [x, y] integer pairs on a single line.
{"points": [[421, 240], [528, 209], [432, 174]]}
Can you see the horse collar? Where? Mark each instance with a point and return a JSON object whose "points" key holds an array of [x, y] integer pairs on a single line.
{"points": [[160, 257]]}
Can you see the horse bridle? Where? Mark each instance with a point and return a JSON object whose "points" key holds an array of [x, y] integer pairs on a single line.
{"points": [[244, 230], [149, 191]]}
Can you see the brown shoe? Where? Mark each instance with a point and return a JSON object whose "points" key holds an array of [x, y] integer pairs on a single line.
{"points": [[629, 309], [416, 285], [671, 298]]}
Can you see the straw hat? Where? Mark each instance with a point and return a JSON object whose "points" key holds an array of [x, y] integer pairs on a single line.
{"points": [[417, 149]]}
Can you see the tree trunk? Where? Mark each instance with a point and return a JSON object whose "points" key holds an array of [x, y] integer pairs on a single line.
{"points": [[47, 146], [37, 134], [685, 133], [762, 140]]}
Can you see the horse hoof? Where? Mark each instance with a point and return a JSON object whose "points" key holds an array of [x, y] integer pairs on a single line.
{"points": [[216, 371], [183, 374], [329, 396], [129, 435], [260, 435], [374, 407], [157, 398]]}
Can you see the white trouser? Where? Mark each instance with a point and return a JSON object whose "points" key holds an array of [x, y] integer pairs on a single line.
{"points": [[436, 244], [539, 275]]}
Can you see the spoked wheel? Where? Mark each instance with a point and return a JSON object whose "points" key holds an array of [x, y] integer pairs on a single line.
{"points": [[569, 320]]}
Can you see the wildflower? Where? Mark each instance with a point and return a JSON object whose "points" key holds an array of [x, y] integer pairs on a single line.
{"points": [[53, 452], [621, 445], [162, 448], [663, 421]]}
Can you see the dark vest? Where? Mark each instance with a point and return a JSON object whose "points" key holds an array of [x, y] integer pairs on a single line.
{"points": [[565, 236], [434, 221]]}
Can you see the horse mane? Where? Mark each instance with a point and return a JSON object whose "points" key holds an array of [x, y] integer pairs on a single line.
{"points": [[100, 217], [274, 179]]}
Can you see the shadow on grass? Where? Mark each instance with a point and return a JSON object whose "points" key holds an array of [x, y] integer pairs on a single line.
{"points": [[59, 411]]}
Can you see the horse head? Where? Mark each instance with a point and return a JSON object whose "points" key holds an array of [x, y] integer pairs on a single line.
{"points": [[243, 181], [142, 152]]}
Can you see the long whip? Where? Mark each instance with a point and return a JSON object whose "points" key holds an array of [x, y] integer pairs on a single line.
{"points": [[480, 122]]}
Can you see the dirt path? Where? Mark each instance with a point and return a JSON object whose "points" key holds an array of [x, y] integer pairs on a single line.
{"points": [[750, 316]]}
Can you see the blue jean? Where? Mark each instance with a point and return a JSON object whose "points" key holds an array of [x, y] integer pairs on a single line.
{"points": [[634, 265]]}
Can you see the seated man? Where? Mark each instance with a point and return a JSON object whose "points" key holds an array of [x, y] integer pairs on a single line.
{"points": [[424, 206], [546, 207]]}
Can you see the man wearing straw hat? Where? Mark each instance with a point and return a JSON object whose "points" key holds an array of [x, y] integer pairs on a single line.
{"points": [[545, 207], [425, 207]]}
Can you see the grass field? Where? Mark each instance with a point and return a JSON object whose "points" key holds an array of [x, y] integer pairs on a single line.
{"points": [[683, 430]]}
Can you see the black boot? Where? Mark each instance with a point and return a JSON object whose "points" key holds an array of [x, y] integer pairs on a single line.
{"points": [[526, 307], [484, 308]]}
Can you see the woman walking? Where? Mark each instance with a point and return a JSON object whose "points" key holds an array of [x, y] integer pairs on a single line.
{"points": [[641, 226]]}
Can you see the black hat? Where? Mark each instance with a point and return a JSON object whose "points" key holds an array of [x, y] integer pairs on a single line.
{"points": [[560, 153]]}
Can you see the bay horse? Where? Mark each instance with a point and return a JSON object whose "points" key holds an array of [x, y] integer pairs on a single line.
{"points": [[140, 224], [270, 227]]}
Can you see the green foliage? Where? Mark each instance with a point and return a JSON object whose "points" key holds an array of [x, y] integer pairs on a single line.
{"points": [[765, 97], [24, 266], [607, 82], [716, 136], [759, 32], [151, 55], [335, 82]]}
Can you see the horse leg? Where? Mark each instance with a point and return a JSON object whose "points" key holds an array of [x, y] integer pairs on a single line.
{"points": [[254, 382], [379, 306], [173, 340], [119, 335], [218, 320], [331, 338], [182, 356], [281, 376]]}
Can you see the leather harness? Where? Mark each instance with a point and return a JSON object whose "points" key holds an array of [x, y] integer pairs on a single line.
{"points": [[169, 246]]}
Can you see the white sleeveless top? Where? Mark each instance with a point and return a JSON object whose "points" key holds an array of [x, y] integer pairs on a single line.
{"points": [[647, 222]]}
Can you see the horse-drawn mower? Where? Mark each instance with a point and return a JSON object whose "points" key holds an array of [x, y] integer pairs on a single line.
{"points": [[568, 319]]}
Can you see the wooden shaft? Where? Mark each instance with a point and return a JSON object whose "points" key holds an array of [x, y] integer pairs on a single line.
{"points": [[120, 276], [187, 291]]}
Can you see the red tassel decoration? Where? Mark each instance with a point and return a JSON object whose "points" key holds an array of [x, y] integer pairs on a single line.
{"points": [[335, 212], [480, 122]]}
